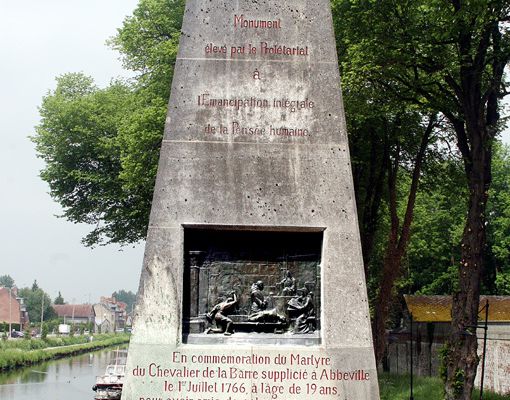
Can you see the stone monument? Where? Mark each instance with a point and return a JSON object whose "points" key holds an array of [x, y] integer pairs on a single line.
{"points": [[252, 285]]}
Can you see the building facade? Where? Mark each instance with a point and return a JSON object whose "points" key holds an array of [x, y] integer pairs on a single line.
{"points": [[12, 308]]}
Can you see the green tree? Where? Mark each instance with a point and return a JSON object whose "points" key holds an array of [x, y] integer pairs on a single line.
{"points": [[127, 297], [101, 146], [78, 140], [44, 332], [456, 68], [37, 300], [59, 299], [6, 281], [389, 141], [148, 42], [498, 215], [434, 252]]}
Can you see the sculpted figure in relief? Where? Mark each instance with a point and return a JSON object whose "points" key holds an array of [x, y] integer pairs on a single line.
{"points": [[288, 285], [258, 310], [302, 306], [219, 314]]}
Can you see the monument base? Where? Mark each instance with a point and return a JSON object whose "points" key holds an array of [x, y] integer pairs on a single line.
{"points": [[250, 373]]}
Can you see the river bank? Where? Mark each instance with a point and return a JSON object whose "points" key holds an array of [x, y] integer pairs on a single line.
{"points": [[29, 352], [67, 378]]}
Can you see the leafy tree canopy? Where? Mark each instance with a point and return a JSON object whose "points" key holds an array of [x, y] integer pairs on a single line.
{"points": [[35, 301], [498, 216], [78, 140], [6, 281], [127, 297], [101, 146], [59, 299]]}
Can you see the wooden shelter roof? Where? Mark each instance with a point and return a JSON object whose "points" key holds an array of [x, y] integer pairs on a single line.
{"points": [[438, 308]]}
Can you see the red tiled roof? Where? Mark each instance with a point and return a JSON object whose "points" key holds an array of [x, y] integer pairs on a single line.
{"points": [[80, 310], [438, 308]]}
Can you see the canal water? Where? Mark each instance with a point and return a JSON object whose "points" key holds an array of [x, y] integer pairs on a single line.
{"points": [[66, 379]]}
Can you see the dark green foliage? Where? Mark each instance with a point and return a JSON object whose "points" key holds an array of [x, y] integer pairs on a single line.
{"points": [[127, 297], [443, 359], [44, 332], [52, 324], [498, 216], [77, 138], [59, 299], [434, 250], [34, 301], [6, 281]]}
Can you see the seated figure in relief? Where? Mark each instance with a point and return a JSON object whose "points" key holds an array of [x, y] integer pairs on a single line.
{"points": [[303, 308], [258, 309]]}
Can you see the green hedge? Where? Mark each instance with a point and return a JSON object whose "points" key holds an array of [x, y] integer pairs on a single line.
{"points": [[28, 352], [35, 344]]}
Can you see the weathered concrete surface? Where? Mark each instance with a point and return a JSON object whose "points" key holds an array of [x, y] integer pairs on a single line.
{"points": [[252, 160]]}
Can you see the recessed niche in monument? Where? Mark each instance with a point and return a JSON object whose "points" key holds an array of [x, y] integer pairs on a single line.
{"points": [[247, 286]]}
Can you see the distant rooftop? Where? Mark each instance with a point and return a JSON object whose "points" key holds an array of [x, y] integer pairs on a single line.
{"points": [[78, 310], [438, 308]]}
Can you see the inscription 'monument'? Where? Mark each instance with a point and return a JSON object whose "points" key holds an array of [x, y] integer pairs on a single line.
{"points": [[241, 22]]}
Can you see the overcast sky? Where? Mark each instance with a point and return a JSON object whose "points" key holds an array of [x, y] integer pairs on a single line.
{"points": [[39, 40]]}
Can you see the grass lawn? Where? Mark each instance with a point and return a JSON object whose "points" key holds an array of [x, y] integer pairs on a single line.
{"points": [[393, 387]]}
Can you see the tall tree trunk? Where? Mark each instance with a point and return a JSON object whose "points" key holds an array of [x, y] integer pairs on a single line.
{"points": [[462, 359], [390, 270], [373, 196], [397, 243], [474, 138]]}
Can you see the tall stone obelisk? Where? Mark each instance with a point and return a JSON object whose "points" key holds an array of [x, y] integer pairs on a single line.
{"points": [[254, 184]]}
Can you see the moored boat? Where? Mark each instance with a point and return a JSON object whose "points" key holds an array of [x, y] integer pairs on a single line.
{"points": [[109, 385]]}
